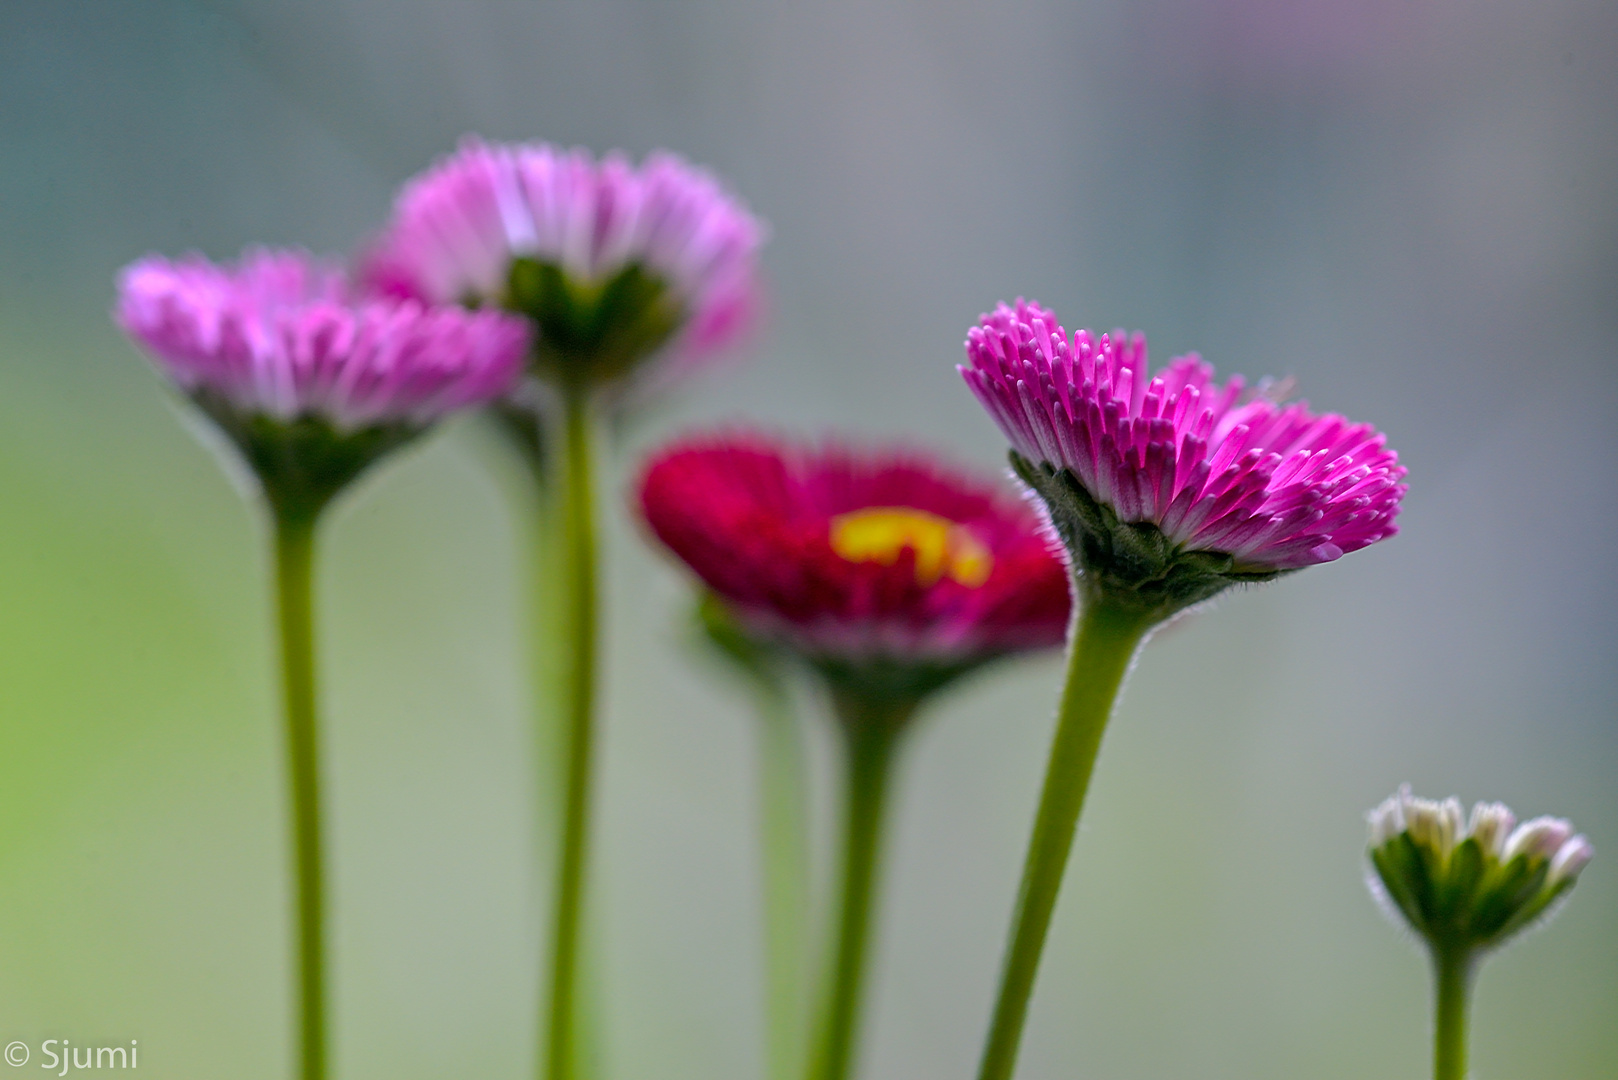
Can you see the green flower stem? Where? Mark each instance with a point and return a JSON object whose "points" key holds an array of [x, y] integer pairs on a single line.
{"points": [[576, 583], [1452, 970], [294, 550], [871, 730], [523, 435], [785, 856], [1104, 644]]}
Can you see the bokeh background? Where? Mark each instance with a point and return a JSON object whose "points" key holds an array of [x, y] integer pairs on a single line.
{"points": [[1409, 205]]}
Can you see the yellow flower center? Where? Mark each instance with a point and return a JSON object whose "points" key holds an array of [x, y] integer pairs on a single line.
{"points": [[879, 533]]}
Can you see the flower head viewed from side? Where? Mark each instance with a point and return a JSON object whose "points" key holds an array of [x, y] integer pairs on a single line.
{"points": [[1166, 489], [1171, 484], [891, 577], [614, 262], [1466, 886], [311, 381], [881, 563], [313, 384], [627, 274]]}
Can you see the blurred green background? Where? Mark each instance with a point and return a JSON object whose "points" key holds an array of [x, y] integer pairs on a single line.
{"points": [[1406, 204]]}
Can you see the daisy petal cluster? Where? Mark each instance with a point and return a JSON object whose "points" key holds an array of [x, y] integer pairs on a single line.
{"points": [[279, 335], [310, 381], [614, 261], [1469, 883], [1211, 468], [861, 560]]}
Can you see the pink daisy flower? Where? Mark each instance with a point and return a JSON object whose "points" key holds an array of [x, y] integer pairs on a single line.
{"points": [[613, 261], [859, 559], [279, 335], [1253, 485], [311, 382]]}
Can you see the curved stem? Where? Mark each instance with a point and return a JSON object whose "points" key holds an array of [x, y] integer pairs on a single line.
{"points": [[1103, 646], [1452, 970], [871, 732], [577, 587], [294, 550], [785, 860]]}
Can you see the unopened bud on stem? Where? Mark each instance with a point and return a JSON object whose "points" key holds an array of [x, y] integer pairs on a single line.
{"points": [[1465, 885]]}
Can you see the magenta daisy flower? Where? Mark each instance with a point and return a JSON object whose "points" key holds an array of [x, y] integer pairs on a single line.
{"points": [[613, 261], [310, 379], [859, 560], [1172, 473], [1166, 489]]}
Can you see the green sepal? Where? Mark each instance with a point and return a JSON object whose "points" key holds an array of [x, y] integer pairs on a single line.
{"points": [[872, 687], [1467, 900], [890, 687], [591, 332], [1512, 897], [1399, 866], [1132, 563], [720, 630], [1504, 891], [1534, 907], [1457, 887], [304, 462]]}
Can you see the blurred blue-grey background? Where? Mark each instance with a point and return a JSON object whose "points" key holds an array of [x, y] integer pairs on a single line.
{"points": [[1409, 205]]}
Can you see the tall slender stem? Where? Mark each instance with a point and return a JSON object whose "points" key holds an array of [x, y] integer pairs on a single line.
{"points": [[577, 586], [783, 806], [1106, 639], [871, 732], [1452, 971], [523, 431], [294, 550]]}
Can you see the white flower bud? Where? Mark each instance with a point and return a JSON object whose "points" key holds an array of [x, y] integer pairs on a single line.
{"points": [[1542, 837], [1491, 824], [1434, 825], [1570, 858], [1388, 819], [1472, 897]]}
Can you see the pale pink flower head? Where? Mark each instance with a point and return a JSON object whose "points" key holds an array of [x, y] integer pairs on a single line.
{"points": [[280, 352], [1171, 473], [878, 567], [613, 261]]}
